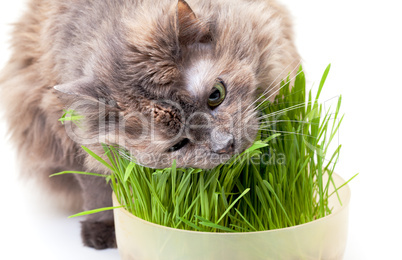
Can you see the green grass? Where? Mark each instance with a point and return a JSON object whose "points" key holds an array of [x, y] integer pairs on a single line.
{"points": [[71, 115], [276, 183]]}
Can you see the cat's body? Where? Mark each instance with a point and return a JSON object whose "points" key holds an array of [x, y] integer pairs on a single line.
{"points": [[138, 65]]}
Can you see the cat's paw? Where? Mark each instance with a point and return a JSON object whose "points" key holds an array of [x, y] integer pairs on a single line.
{"points": [[98, 234]]}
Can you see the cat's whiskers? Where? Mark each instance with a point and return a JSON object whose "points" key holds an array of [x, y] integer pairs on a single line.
{"points": [[262, 102], [269, 123], [123, 153], [282, 111], [270, 87], [285, 132], [265, 126], [289, 80], [269, 129]]}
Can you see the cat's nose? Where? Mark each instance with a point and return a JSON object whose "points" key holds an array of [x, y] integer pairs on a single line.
{"points": [[224, 145]]}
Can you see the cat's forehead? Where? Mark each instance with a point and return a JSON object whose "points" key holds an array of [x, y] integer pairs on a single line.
{"points": [[198, 75]]}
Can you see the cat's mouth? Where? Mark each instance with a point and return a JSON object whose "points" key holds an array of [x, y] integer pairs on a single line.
{"points": [[203, 159], [205, 155], [225, 147]]}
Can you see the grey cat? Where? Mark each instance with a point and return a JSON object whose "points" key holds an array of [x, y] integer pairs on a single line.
{"points": [[163, 79]]}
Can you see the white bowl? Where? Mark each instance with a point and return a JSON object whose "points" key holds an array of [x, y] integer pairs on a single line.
{"points": [[324, 238]]}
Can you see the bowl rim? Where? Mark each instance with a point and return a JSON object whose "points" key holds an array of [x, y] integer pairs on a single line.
{"points": [[345, 205]]}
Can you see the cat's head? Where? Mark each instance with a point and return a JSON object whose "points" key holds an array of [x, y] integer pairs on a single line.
{"points": [[177, 84]]}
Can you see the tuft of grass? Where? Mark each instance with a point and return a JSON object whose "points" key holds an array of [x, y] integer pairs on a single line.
{"points": [[71, 115], [276, 183]]}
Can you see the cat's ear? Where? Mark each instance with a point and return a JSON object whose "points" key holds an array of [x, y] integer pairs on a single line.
{"points": [[190, 28], [85, 87]]}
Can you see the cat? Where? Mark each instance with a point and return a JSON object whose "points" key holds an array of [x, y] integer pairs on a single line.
{"points": [[165, 80]]}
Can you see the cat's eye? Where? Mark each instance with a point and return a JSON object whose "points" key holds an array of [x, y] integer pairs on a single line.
{"points": [[179, 145], [218, 94]]}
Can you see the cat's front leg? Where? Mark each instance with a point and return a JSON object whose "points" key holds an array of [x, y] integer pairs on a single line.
{"points": [[97, 230], [98, 234]]}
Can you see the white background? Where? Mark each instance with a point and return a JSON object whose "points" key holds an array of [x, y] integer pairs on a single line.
{"points": [[362, 40]]}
